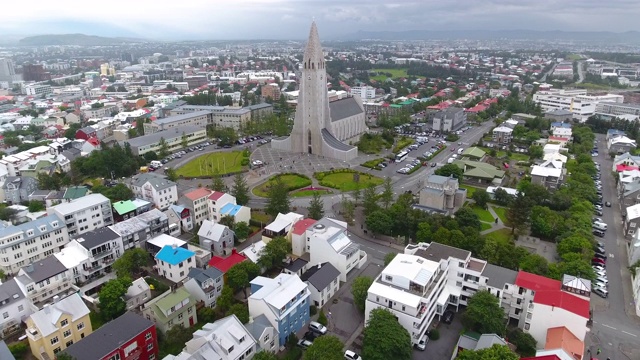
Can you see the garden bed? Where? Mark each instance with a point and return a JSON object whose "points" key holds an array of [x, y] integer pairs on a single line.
{"points": [[309, 191], [292, 181]]}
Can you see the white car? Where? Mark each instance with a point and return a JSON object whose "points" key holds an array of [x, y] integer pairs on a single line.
{"points": [[317, 328], [602, 279], [350, 355]]}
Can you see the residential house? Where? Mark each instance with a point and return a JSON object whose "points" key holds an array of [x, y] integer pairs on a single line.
{"points": [[625, 161], [84, 214], [548, 176], [129, 336], [202, 256], [137, 230], [254, 252], [174, 263], [57, 326], [621, 144], [238, 213], [86, 133], [205, 285], [173, 307], [284, 301], [264, 333], [442, 193], [225, 339], [324, 282], [480, 172], [296, 267], [470, 341], [44, 279], [631, 220], [281, 226], [179, 217], [137, 294], [327, 241], [30, 242], [123, 210], [17, 189], [216, 237], [196, 202], [224, 264], [629, 193], [561, 132], [299, 236], [154, 245], [157, 189], [15, 307], [562, 344], [502, 135], [216, 201]]}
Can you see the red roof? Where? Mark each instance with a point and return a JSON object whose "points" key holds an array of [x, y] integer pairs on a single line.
{"points": [[558, 138], [301, 226], [623, 167], [545, 357], [197, 193], [93, 141], [563, 300], [216, 195], [536, 282], [224, 264]]}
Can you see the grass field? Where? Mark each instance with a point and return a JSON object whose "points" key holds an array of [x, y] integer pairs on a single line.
{"points": [[395, 73], [225, 162], [485, 226], [501, 212], [261, 217], [343, 181], [470, 190], [309, 193], [574, 57], [291, 181], [502, 234], [483, 214]]}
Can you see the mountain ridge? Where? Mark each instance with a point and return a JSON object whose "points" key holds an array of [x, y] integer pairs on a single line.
{"points": [[76, 39]]}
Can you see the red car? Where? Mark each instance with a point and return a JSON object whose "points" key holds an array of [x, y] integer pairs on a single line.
{"points": [[453, 149], [598, 261]]}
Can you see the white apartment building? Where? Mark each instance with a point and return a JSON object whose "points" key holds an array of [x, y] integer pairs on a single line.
{"points": [[136, 230], [14, 307], [157, 189], [364, 92], [577, 101], [617, 109], [30, 242], [327, 241], [44, 279], [84, 214], [196, 201], [38, 89], [191, 119], [173, 138]]}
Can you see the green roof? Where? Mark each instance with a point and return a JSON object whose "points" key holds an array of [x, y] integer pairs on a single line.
{"points": [[75, 192], [479, 169], [474, 151], [407, 102], [171, 299], [395, 105], [123, 207]]}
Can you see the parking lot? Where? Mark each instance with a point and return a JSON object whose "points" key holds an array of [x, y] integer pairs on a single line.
{"points": [[443, 347]]}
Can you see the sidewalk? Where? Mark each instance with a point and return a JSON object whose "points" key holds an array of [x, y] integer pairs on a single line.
{"points": [[495, 226]]}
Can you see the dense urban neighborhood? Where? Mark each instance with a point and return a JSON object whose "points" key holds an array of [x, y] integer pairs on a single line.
{"points": [[319, 200]]}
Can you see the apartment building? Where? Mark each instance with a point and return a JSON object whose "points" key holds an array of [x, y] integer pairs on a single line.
{"points": [[577, 101], [30, 242], [548, 176], [223, 116], [173, 307], [174, 263], [617, 109], [196, 201], [450, 119], [154, 188], [137, 230], [14, 307], [284, 301], [44, 279], [129, 336], [84, 214], [58, 326], [223, 204], [205, 285], [271, 91], [192, 119], [502, 134], [175, 139], [364, 92], [38, 90]]}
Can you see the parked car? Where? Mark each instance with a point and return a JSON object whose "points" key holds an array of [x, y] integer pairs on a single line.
{"points": [[304, 343], [602, 279], [599, 262], [447, 317], [422, 345], [603, 293], [607, 204], [600, 272], [317, 327], [350, 355]]}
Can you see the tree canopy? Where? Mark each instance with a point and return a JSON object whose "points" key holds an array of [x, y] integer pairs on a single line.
{"points": [[496, 352], [384, 337], [484, 314], [450, 170], [278, 201], [326, 347], [111, 298], [240, 275], [359, 290], [274, 252], [316, 207], [240, 189], [131, 262]]}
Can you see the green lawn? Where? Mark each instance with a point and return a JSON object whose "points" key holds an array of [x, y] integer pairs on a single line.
{"points": [[395, 73], [574, 57], [261, 217], [501, 212], [224, 161], [309, 193], [502, 234], [470, 190], [483, 214], [519, 157], [343, 181], [291, 181], [485, 226]]}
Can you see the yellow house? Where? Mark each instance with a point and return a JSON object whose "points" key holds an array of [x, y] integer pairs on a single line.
{"points": [[57, 326]]}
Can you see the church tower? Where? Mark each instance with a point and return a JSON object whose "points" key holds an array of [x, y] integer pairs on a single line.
{"points": [[312, 111]]}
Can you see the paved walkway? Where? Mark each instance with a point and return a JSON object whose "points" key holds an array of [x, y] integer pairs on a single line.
{"points": [[495, 226]]}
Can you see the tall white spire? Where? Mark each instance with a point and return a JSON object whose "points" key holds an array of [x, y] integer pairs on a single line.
{"points": [[313, 52]]}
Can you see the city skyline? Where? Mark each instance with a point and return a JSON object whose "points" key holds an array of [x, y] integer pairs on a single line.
{"points": [[288, 19]]}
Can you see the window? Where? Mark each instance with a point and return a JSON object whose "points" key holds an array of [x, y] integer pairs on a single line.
{"points": [[67, 333], [54, 340], [180, 316], [131, 348], [69, 343], [117, 357], [80, 326], [152, 356], [64, 323], [20, 308], [56, 350], [147, 336], [5, 315], [266, 338]]}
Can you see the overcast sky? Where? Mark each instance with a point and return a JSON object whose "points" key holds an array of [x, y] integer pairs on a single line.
{"points": [[290, 19]]}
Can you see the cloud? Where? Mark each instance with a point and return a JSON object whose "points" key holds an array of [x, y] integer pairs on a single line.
{"points": [[290, 19]]}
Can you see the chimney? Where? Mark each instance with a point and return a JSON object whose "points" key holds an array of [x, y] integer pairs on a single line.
{"points": [[319, 266], [56, 298], [46, 309]]}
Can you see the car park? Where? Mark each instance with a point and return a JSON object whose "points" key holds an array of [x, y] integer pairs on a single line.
{"points": [[317, 327], [350, 355], [447, 317], [422, 344]]}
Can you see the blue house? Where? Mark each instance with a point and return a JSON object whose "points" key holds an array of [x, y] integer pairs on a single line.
{"points": [[284, 301]]}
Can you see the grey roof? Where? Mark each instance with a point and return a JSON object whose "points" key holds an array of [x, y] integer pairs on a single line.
{"points": [[448, 112], [297, 264], [344, 108], [321, 275], [167, 134], [87, 130], [176, 118], [257, 326], [157, 181], [201, 276], [96, 237], [39, 227], [24, 180], [71, 153], [631, 188], [5, 354], [44, 269], [437, 252], [258, 106], [109, 337], [56, 195], [498, 276], [488, 340], [10, 292], [333, 142], [559, 112], [437, 179]]}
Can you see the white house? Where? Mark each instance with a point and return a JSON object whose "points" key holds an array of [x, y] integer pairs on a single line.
{"points": [[563, 132], [217, 238], [84, 214], [14, 307], [281, 226], [254, 252], [265, 334], [159, 190], [44, 279], [324, 282], [174, 263], [327, 241], [551, 309], [205, 285], [299, 236], [137, 294]]}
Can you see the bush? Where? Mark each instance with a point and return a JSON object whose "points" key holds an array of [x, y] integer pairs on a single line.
{"points": [[244, 161], [313, 310], [434, 334], [402, 143], [295, 353], [157, 285], [373, 164], [452, 137], [322, 318], [19, 350], [246, 153]]}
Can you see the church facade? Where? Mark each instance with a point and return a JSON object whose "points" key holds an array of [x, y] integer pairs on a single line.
{"points": [[320, 127]]}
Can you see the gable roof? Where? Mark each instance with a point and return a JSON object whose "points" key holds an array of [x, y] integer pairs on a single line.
{"points": [[301, 226], [174, 255], [498, 276], [216, 195], [44, 269], [197, 194], [474, 151], [96, 237], [479, 169], [297, 264], [10, 292], [320, 276], [563, 300], [201, 276], [157, 181], [211, 230], [344, 108], [5, 353], [46, 320], [224, 264], [563, 338], [536, 282]]}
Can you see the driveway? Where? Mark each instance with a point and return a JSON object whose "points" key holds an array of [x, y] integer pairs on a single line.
{"points": [[443, 347]]}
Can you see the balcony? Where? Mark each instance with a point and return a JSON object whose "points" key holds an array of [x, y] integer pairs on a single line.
{"points": [[33, 334], [530, 307], [100, 255]]}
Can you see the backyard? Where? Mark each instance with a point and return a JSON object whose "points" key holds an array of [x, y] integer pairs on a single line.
{"points": [[291, 182], [347, 180], [500, 235], [224, 162]]}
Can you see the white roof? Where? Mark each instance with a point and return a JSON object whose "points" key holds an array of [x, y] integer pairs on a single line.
{"points": [[554, 164], [560, 131], [138, 286], [555, 156], [80, 203], [394, 294], [576, 283], [510, 191], [545, 171], [503, 129], [163, 239], [283, 222], [552, 148], [279, 291], [72, 255], [633, 212], [211, 231], [412, 267], [621, 140], [254, 251], [46, 320]]}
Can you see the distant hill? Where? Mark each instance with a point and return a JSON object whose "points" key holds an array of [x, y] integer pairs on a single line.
{"points": [[75, 39], [629, 37]]}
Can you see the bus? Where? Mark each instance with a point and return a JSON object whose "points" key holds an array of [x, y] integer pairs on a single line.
{"points": [[401, 156]]}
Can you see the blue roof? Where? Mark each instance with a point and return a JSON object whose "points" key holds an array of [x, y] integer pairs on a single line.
{"points": [[615, 132], [560, 124], [230, 209], [174, 256], [178, 208]]}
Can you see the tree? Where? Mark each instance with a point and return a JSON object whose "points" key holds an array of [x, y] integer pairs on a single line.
{"points": [[131, 262], [370, 200], [206, 315], [535, 264], [326, 347], [379, 222], [60, 356], [316, 207], [484, 314], [241, 311], [225, 300], [278, 201], [450, 170], [356, 194], [481, 197], [112, 303], [177, 336], [524, 342], [496, 352], [384, 337], [171, 174], [274, 252], [242, 230], [467, 217], [502, 197], [35, 206], [348, 210], [239, 276], [386, 197], [518, 213], [228, 221], [7, 214], [389, 258], [575, 244], [359, 290], [163, 152], [265, 355], [536, 152], [217, 184], [240, 189], [322, 318], [184, 141], [70, 133]]}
